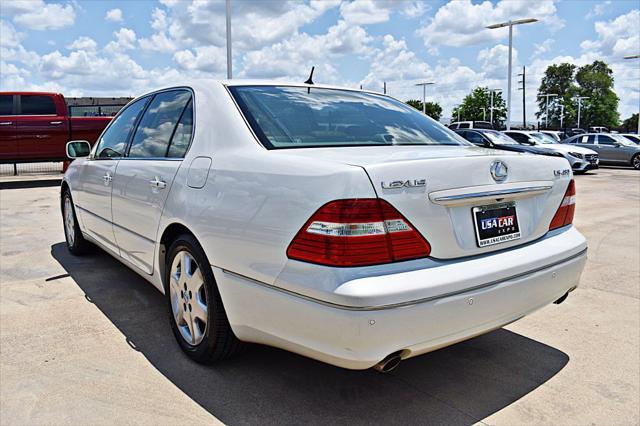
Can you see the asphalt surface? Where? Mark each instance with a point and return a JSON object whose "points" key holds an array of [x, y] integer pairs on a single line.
{"points": [[86, 341]]}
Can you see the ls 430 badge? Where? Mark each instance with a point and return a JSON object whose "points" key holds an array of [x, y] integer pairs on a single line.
{"points": [[396, 184]]}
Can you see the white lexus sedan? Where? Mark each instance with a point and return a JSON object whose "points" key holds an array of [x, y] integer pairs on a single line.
{"points": [[339, 224]]}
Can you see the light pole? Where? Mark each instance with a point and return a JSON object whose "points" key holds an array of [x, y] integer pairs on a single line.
{"points": [[546, 114], [635, 57], [510, 24], [580, 98], [561, 115], [491, 107], [424, 95], [484, 114], [228, 13]]}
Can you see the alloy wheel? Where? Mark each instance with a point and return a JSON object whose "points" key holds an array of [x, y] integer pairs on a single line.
{"points": [[69, 220], [188, 297]]}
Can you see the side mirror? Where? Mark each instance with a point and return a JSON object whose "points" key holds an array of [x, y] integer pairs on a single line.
{"points": [[78, 149]]}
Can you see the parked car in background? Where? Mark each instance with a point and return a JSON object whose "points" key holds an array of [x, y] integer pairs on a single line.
{"points": [[35, 126], [338, 224], [598, 129], [581, 159], [555, 134], [470, 125], [632, 137], [498, 140], [613, 149]]}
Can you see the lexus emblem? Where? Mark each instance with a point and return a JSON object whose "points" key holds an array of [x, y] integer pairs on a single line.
{"points": [[499, 171]]}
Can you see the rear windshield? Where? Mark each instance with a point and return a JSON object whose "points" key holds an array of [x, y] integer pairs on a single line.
{"points": [[482, 125], [500, 138], [298, 117]]}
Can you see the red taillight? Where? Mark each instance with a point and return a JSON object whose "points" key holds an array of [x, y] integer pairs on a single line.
{"points": [[357, 232], [564, 215]]}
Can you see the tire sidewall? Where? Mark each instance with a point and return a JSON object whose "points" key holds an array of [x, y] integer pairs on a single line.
{"points": [[206, 346], [74, 248], [633, 161]]}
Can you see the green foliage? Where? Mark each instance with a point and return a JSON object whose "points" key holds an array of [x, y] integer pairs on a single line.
{"points": [[594, 81], [558, 79], [601, 109], [433, 109], [475, 107], [631, 123]]}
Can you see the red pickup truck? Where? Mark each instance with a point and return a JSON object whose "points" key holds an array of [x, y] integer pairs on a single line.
{"points": [[36, 126]]}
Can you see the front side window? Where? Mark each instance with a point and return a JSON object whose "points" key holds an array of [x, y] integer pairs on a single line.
{"points": [[301, 117], [114, 140], [475, 138], [37, 105], [152, 137], [6, 104]]}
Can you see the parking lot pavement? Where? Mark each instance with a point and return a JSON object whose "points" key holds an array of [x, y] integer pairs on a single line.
{"points": [[86, 341]]}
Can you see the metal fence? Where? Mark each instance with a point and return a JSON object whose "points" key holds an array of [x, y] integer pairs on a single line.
{"points": [[94, 110], [51, 168]]}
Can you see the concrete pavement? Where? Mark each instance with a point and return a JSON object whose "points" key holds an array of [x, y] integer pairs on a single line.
{"points": [[86, 341]]}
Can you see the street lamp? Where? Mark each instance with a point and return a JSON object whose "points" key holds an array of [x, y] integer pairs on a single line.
{"points": [[424, 95], [580, 98], [635, 57], [546, 114], [561, 115], [491, 107], [484, 114], [510, 24], [228, 15]]}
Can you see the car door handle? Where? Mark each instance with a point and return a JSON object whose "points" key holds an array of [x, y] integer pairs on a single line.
{"points": [[55, 122], [158, 183], [107, 178], [6, 123]]}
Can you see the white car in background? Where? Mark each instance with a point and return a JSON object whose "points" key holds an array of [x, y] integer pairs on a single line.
{"points": [[335, 223], [581, 159]]}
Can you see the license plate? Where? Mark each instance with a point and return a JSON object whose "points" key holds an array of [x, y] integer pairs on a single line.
{"points": [[497, 223]]}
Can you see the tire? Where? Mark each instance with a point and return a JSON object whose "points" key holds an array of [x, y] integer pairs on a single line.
{"points": [[192, 295], [635, 162], [76, 243]]}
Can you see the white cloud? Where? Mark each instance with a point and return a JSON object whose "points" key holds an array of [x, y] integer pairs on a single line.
{"points": [[125, 40], [364, 12], [83, 43], [598, 9], [38, 15], [462, 23], [114, 15], [543, 48], [160, 41], [210, 59], [616, 38], [416, 9], [9, 37], [495, 61]]}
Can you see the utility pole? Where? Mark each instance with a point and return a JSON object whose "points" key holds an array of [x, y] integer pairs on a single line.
{"points": [[524, 106], [510, 24], [546, 114], [580, 98], [229, 64], [424, 95], [637, 56], [384, 88]]}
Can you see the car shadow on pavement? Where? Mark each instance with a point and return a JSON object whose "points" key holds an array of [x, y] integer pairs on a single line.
{"points": [[461, 384]]}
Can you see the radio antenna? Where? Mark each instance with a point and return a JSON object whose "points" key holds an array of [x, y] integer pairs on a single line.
{"points": [[310, 79]]}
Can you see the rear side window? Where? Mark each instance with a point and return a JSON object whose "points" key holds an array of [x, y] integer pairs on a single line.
{"points": [[37, 105], [463, 126], [6, 104], [182, 136], [114, 140], [157, 126], [605, 140]]}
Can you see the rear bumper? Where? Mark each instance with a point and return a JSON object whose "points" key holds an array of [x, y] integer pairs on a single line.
{"points": [[358, 337]]}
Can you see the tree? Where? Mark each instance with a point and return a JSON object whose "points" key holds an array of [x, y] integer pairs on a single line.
{"points": [[476, 107], [558, 79], [601, 109], [433, 109], [631, 123]]}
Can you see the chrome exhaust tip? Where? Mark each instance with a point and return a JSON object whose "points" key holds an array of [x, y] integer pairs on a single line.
{"points": [[389, 363]]}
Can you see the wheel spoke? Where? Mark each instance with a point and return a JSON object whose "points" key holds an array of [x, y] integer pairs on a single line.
{"points": [[199, 310]]}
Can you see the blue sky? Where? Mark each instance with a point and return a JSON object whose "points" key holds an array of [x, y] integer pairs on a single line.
{"points": [[112, 48]]}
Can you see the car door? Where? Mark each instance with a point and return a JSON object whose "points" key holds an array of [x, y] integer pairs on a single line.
{"points": [[608, 149], [92, 197], [8, 143], [144, 177], [42, 128]]}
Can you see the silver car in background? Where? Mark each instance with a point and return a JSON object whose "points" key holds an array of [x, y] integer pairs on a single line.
{"points": [[580, 158], [613, 149]]}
